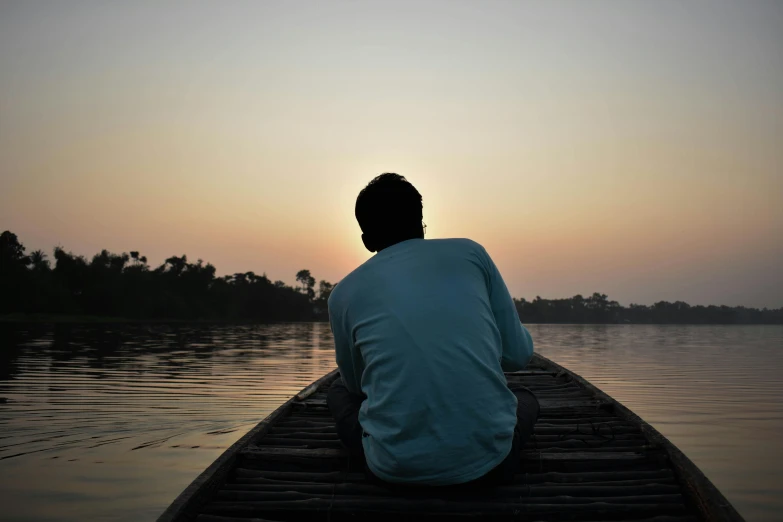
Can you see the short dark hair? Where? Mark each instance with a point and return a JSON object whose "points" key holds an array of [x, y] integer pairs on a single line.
{"points": [[389, 206]]}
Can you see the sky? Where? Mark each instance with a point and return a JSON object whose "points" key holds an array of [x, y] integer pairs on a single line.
{"points": [[629, 148]]}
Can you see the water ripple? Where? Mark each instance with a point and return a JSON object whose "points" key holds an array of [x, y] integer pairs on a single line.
{"points": [[112, 422], [132, 414]]}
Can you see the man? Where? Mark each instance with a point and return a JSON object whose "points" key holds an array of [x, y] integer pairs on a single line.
{"points": [[423, 332]]}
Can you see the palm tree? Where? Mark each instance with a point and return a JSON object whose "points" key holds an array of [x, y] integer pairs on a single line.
{"points": [[39, 261]]}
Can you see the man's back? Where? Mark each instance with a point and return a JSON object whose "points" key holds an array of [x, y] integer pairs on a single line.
{"points": [[425, 329]]}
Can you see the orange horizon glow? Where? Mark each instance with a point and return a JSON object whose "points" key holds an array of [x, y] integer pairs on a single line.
{"points": [[631, 150]]}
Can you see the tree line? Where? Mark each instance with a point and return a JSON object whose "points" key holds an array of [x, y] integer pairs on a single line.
{"points": [[125, 285], [597, 308]]}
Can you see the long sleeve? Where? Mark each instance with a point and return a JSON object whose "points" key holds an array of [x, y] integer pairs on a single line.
{"points": [[349, 361], [517, 342]]}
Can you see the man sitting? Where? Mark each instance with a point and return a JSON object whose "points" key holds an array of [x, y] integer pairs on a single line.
{"points": [[423, 331]]}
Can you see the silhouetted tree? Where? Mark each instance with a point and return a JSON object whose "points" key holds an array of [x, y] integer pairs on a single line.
{"points": [[308, 282], [321, 304], [324, 290], [13, 273], [12, 251], [39, 261], [138, 259]]}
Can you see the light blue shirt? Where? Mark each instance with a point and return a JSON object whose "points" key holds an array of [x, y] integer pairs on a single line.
{"points": [[425, 328]]}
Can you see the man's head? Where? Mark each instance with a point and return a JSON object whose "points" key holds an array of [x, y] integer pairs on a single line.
{"points": [[388, 210]]}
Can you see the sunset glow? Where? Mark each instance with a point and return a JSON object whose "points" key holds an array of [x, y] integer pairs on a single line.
{"points": [[625, 148]]}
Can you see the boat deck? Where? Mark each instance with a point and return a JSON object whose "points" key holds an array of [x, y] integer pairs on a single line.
{"points": [[589, 459]]}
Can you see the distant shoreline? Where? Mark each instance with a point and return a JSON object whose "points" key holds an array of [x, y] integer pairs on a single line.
{"points": [[125, 289], [96, 319]]}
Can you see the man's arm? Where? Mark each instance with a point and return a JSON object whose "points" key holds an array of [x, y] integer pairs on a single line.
{"points": [[349, 362], [517, 343]]}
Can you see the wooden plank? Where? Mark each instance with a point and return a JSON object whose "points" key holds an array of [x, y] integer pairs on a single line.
{"points": [[584, 429], [557, 445], [535, 456], [593, 419], [323, 433], [542, 433], [522, 478], [258, 452], [214, 518], [396, 505], [306, 423], [581, 445], [584, 422], [562, 394], [309, 390], [517, 497], [292, 476], [588, 403], [270, 452], [584, 415], [303, 426], [359, 478], [532, 373], [312, 403], [568, 433], [448, 517], [290, 441], [302, 410], [577, 460], [520, 490]]}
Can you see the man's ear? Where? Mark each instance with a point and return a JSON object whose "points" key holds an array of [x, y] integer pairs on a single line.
{"points": [[368, 243]]}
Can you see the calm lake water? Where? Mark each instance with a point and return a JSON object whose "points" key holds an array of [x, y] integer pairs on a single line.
{"points": [[111, 423]]}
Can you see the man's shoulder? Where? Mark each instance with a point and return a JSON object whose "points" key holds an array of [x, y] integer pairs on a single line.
{"points": [[458, 243], [342, 289]]}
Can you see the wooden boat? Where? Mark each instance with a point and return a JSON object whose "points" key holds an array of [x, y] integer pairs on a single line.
{"points": [[591, 459]]}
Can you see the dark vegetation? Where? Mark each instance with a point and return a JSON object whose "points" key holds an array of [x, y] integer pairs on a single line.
{"points": [[124, 285], [599, 309]]}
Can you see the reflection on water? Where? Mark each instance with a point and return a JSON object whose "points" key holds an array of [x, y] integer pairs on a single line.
{"points": [[714, 391], [113, 422]]}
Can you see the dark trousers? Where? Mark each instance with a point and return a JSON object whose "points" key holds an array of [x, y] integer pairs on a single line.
{"points": [[345, 405]]}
